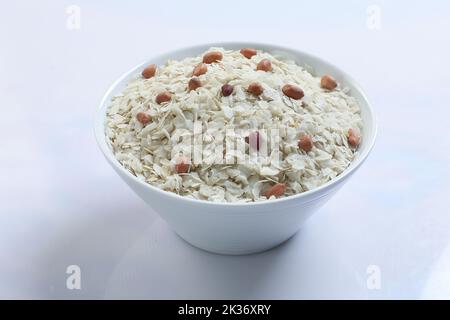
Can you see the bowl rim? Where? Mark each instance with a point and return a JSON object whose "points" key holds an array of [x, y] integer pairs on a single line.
{"points": [[100, 115]]}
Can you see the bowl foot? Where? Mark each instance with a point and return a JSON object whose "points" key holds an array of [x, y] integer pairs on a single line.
{"points": [[235, 252]]}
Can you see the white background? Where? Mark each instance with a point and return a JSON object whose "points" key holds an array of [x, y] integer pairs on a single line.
{"points": [[61, 203]]}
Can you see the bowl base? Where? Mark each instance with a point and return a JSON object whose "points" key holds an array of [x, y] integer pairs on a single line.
{"points": [[236, 252]]}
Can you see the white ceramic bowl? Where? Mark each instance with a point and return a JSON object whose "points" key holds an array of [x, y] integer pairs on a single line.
{"points": [[231, 228]]}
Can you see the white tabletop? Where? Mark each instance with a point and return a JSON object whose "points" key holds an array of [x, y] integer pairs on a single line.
{"points": [[384, 235]]}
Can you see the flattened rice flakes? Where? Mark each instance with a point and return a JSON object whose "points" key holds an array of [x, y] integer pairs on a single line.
{"points": [[236, 96]]}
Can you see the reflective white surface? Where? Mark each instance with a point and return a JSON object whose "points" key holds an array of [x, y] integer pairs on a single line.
{"points": [[61, 204]]}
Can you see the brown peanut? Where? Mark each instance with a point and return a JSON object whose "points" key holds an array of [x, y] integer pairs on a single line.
{"points": [[353, 138], [149, 71], [163, 97], [255, 88], [276, 190], [293, 91], [248, 52], [143, 118], [227, 90], [264, 65], [194, 83], [212, 56], [253, 140], [183, 165], [328, 82], [305, 143], [200, 69]]}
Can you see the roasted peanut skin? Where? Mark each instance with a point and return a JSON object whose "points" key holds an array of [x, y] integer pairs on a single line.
{"points": [[264, 65], [353, 138], [293, 91], [255, 88], [194, 83], [182, 167], [227, 90], [143, 118], [253, 140], [276, 190], [213, 56], [163, 97], [248, 52], [328, 82], [202, 68], [305, 143], [149, 71]]}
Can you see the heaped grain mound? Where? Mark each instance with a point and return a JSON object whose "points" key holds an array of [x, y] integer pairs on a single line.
{"points": [[308, 127]]}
